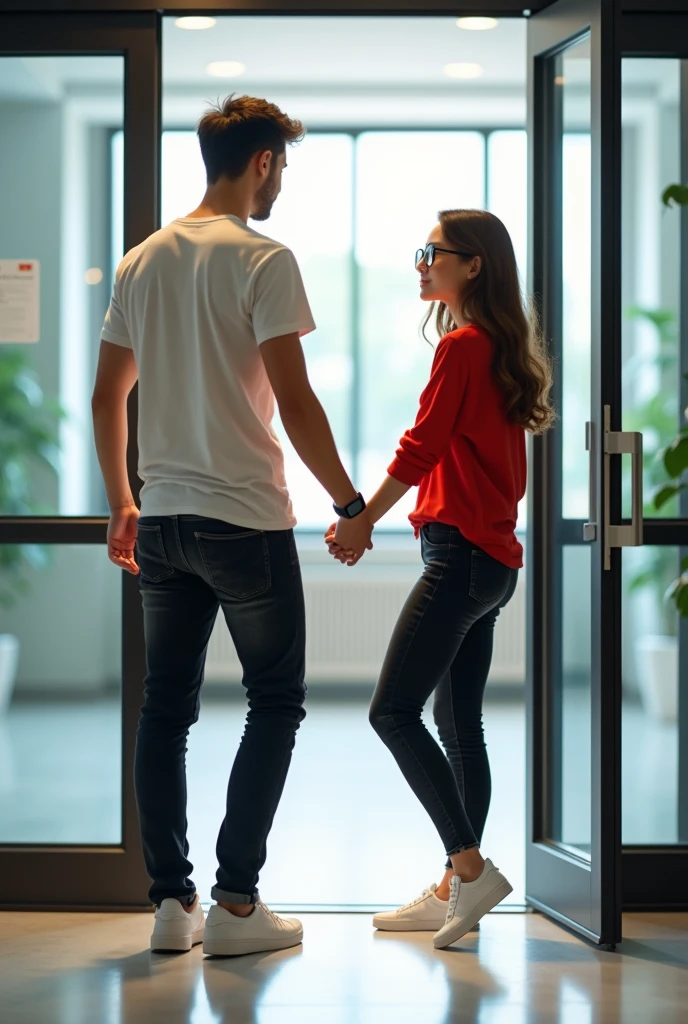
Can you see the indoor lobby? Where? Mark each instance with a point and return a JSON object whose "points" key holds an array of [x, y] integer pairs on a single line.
{"points": [[567, 120]]}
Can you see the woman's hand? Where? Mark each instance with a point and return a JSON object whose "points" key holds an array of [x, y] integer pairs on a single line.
{"points": [[337, 545]]}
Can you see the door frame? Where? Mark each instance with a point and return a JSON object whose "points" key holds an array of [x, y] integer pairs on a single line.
{"points": [[583, 894], [104, 876]]}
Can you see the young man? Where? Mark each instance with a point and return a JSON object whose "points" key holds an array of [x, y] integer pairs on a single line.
{"points": [[207, 315]]}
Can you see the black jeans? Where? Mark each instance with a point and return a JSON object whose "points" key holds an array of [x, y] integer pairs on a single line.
{"points": [[190, 567], [443, 643]]}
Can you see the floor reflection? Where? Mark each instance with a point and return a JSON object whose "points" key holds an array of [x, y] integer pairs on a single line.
{"points": [[519, 969]]}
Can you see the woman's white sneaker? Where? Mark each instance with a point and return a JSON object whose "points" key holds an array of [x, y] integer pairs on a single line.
{"points": [[175, 929], [229, 935], [425, 914], [469, 901]]}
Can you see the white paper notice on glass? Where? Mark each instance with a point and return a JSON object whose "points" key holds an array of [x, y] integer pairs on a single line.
{"points": [[20, 302]]}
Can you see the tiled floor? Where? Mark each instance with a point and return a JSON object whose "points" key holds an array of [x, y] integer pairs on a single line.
{"points": [[520, 969]]}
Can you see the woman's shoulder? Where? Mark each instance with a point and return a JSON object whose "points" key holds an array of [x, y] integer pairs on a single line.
{"points": [[469, 340]]}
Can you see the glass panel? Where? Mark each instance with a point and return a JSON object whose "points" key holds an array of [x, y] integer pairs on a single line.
{"points": [[399, 183], [651, 265], [650, 737], [507, 198], [318, 169], [573, 80], [432, 171], [507, 188], [570, 807], [571, 813], [54, 215], [394, 215], [60, 708]]}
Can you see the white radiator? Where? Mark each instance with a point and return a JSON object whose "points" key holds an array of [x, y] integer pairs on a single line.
{"points": [[349, 623]]}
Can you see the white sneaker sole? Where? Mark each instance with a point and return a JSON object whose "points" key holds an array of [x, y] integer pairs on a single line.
{"points": [[455, 931], [386, 925], [161, 943], [239, 947]]}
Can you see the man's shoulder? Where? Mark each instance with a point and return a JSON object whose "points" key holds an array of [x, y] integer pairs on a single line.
{"points": [[156, 240]]}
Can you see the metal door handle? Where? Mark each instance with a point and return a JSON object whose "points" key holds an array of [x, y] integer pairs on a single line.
{"points": [[590, 528], [619, 442]]}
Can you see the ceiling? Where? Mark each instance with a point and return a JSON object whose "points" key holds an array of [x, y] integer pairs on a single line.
{"points": [[299, 52], [327, 70]]}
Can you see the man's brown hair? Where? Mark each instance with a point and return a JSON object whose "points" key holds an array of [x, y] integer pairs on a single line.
{"points": [[234, 131]]}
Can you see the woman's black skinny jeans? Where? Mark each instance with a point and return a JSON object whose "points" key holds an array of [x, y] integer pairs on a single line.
{"points": [[443, 643]]}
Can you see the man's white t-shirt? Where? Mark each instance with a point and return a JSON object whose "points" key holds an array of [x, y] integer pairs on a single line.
{"points": [[194, 302]]}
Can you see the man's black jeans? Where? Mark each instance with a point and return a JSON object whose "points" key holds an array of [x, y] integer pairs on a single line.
{"points": [[443, 643], [190, 567]]}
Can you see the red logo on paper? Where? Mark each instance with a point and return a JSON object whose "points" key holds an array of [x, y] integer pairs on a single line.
{"points": [[26, 266]]}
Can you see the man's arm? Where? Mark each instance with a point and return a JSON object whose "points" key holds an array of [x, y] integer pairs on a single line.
{"points": [[115, 377], [309, 431]]}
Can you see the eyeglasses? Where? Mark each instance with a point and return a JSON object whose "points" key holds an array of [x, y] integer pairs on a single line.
{"points": [[427, 255]]}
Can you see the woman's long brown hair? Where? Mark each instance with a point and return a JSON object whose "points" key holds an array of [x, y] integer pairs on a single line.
{"points": [[493, 302]]}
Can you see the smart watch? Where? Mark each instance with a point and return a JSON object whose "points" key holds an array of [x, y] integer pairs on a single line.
{"points": [[353, 509]]}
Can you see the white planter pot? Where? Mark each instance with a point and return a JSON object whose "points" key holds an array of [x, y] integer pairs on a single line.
{"points": [[9, 660], [658, 676]]}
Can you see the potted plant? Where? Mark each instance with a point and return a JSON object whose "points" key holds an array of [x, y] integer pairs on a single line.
{"points": [[28, 438]]}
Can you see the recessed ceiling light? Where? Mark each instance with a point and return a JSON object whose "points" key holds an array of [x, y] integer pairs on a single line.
{"points": [[463, 70], [195, 24], [226, 68], [477, 24]]}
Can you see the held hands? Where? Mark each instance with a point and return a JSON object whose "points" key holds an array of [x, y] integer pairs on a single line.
{"points": [[348, 539], [121, 537]]}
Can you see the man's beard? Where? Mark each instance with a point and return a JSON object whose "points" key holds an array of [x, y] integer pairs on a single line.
{"points": [[265, 200]]}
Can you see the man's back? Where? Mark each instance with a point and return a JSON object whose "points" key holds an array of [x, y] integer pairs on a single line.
{"points": [[194, 302]]}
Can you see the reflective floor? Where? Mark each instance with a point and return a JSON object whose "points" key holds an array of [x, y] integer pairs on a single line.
{"points": [[520, 969]]}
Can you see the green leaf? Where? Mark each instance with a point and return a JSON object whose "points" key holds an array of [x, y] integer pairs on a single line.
{"points": [[642, 579], [665, 494], [677, 194], [681, 598], [684, 564], [676, 457]]}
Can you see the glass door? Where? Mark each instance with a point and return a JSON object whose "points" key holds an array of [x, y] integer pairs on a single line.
{"points": [[69, 687], [573, 840]]}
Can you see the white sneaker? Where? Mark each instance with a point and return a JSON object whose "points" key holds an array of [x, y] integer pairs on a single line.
{"points": [[469, 901], [175, 929], [229, 935], [426, 914]]}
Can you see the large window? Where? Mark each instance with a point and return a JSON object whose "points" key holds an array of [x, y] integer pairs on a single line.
{"points": [[354, 208]]}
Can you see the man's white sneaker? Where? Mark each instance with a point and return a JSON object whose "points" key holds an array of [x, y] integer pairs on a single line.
{"points": [[229, 935], [175, 929], [425, 914], [469, 901]]}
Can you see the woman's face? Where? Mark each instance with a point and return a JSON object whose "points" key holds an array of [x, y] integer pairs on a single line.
{"points": [[445, 281]]}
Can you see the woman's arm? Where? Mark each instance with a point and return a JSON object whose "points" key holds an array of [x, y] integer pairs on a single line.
{"points": [[387, 495]]}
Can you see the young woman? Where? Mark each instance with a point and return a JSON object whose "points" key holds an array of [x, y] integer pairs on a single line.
{"points": [[490, 383]]}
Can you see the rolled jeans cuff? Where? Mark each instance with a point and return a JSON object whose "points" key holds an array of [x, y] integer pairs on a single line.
{"points": [[223, 896]]}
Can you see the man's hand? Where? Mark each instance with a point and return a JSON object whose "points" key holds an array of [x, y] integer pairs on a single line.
{"points": [[349, 539], [121, 537], [334, 548]]}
